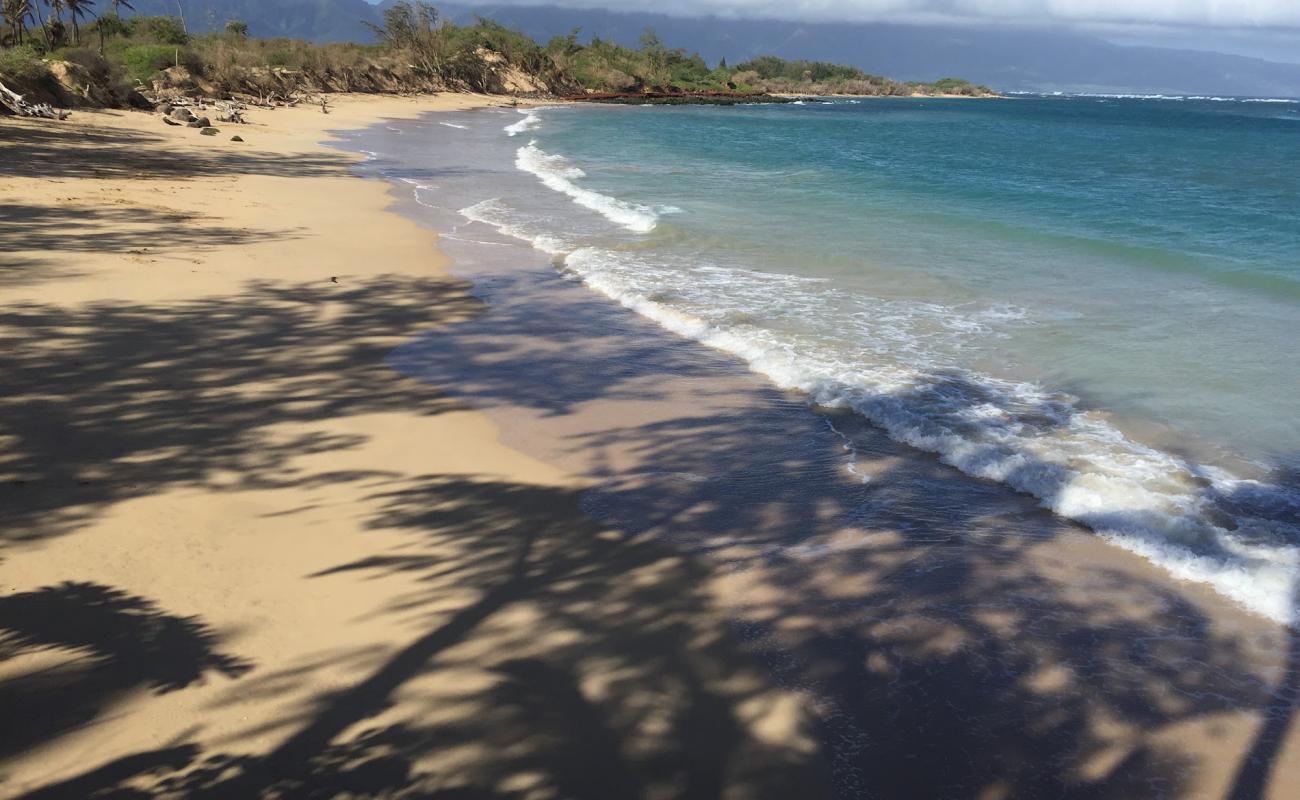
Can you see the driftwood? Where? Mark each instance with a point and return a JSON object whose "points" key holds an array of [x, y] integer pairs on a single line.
{"points": [[13, 103], [181, 111], [230, 111]]}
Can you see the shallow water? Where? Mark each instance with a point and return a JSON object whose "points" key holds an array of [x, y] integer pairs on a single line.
{"points": [[1091, 300]]}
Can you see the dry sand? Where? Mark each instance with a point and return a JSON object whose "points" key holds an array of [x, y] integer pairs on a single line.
{"points": [[242, 556]]}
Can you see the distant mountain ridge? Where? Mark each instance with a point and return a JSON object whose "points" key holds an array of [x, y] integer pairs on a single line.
{"points": [[316, 20], [1005, 58]]}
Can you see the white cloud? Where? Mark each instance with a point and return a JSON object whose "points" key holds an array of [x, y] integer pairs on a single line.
{"points": [[1225, 13]]}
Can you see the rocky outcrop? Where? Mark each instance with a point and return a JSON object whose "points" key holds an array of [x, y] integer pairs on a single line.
{"points": [[678, 97], [82, 88]]}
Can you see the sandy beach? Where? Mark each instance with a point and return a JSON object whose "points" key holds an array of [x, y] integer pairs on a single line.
{"points": [[243, 556], [286, 511]]}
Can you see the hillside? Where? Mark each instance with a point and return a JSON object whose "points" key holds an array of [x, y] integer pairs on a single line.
{"points": [[1010, 59], [114, 62]]}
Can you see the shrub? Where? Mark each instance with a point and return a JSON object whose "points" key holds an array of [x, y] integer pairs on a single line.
{"points": [[22, 63], [111, 25], [96, 66], [160, 30], [143, 61], [951, 85]]}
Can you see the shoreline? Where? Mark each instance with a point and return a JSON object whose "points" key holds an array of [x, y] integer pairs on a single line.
{"points": [[1057, 553], [242, 556], [1123, 525], [336, 550]]}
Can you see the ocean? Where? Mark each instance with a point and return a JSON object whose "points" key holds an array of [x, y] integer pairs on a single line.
{"points": [[1091, 300]]}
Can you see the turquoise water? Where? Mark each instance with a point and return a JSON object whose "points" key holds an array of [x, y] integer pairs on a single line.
{"points": [[1092, 300], [1149, 249]]}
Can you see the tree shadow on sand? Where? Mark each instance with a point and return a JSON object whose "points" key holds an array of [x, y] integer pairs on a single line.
{"points": [[112, 401], [144, 234], [948, 652], [93, 644], [1254, 774], [921, 635], [582, 664], [36, 149], [947, 640]]}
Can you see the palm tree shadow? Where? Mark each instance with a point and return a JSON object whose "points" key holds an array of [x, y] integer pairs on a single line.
{"points": [[954, 637], [601, 672], [107, 643], [1255, 771], [150, 397]]}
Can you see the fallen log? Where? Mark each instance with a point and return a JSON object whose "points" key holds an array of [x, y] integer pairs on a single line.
{"points": [[13, 103]]}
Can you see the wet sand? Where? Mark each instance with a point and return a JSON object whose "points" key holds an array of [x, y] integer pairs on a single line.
{"points": [[950, 638]]}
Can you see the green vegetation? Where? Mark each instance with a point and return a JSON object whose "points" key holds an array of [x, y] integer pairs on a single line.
{"points": [[953, 86], [416, 51]]}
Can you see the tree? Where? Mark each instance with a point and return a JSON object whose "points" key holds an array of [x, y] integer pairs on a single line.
{"points": [[17, 13], [656, 56], [562, 49], [650, 40], [76, 10], [111, 25], [118, 5], [55, 32], [237, 28], [413, 28]]}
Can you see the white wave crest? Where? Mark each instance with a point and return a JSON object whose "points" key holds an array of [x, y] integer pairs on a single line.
{"points": [[1198, 523], [454, 125], [558, 175], [500, 216], [530, 122], [1144, 500]]}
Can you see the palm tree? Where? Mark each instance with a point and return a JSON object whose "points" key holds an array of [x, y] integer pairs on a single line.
{"points": [[76, 9], [55, 24], [16, 13], [118, 5]]}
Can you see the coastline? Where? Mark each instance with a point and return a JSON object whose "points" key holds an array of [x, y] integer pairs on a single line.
{"points": [[336, 652], [691, 446], [240, 553]]}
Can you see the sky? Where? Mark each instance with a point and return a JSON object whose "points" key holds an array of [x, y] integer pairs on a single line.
{"points": [[1262, 28]]}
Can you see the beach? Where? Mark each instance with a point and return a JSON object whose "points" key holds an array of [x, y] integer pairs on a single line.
{"points": [[232, 535], [300, 498]]}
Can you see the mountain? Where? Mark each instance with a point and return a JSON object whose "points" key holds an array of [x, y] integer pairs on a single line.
{"points": [[1010, 59], [317, 20]]}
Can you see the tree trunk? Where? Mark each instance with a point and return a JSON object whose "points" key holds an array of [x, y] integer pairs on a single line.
{"points": [[41, 19]]}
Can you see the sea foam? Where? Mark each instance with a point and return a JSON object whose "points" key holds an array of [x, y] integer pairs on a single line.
{"points": [[557, 174], [530, 122], [1199, 523], [1082, 468], [1149, 502]]}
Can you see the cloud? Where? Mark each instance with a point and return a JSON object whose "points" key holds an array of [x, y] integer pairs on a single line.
{"points": [[1215, 13]]}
